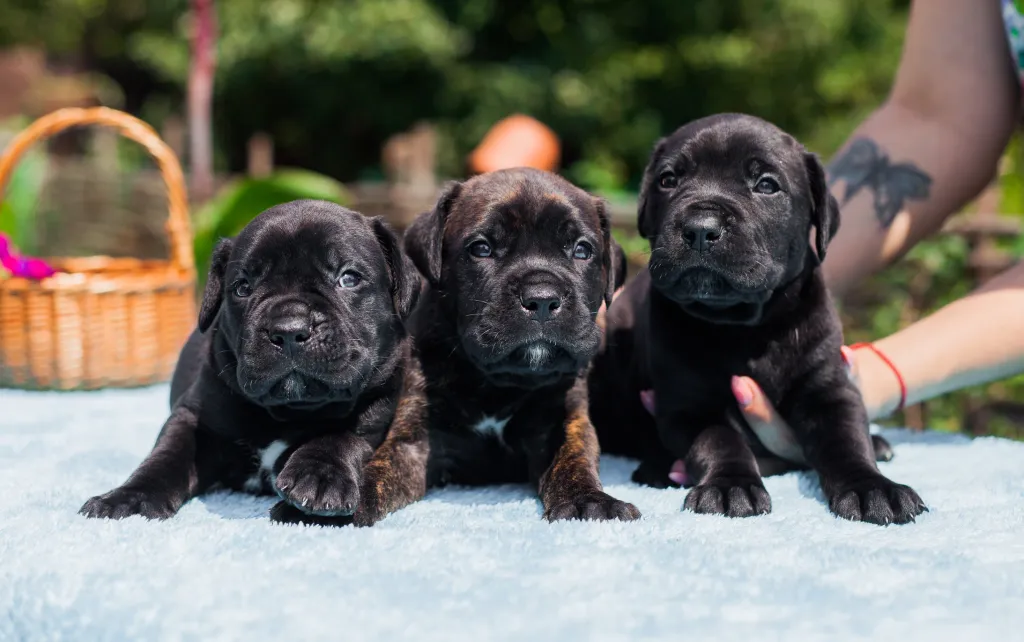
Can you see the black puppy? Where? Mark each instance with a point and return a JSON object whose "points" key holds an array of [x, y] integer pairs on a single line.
{"points": [[518, 263], [294, 374], [728, 204]]}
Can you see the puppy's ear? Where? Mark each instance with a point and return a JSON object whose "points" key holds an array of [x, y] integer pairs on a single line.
{"points": [[614, 260], [824, 207], [620, 265], [425, 237], [644, 221], [405, 282], [214, 291]]}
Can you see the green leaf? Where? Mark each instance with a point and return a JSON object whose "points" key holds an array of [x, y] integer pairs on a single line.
{"points": [[20, 198]]}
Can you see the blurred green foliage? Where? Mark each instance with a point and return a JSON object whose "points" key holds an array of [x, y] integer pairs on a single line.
{"points": [[18, 203], [331, 80]]}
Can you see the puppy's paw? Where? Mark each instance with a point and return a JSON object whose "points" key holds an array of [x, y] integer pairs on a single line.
{"points": [[120, 503], [372, 504], [284, 513], [730, 496], [318, 487], [883, 451], [594, 505], [653, 474], [368, 515], [877, 500]]}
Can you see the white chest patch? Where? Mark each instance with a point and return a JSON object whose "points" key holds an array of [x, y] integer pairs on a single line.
{"points": [[267, 457], [491, 426], [536, 355]]}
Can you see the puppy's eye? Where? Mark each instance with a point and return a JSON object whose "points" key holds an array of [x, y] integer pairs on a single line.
{"points": [[480, 249], [668, 180], [349, 279], [242, 289], [766, 186], [583, 251]]}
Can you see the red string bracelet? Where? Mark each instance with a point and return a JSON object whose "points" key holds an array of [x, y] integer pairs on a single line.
{"points": [[892, 366]]}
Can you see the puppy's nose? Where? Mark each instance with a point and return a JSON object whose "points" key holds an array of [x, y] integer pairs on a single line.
{"points": [[702, 231], [290, 333], [541, 301]]}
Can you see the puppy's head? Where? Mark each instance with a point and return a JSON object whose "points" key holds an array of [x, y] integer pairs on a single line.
{"points": [[728, 203], [523, 261], [310, 298]]}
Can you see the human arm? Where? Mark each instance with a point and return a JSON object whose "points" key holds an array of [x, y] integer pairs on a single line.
{"points": [[932, 146], [971, 341]]}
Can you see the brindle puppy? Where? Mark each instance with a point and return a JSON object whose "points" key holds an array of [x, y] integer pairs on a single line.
{"points": [[518, 263]]}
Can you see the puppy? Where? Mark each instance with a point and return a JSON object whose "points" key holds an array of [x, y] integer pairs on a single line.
{"points": [[294, 375], [728, 204], [518, 264]]}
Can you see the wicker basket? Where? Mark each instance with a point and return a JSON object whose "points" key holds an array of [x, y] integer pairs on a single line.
{"points": [[100, 321]]}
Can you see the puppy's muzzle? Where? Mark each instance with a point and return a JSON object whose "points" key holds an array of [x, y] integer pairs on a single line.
{"points": [[290, 327], [296, 389], [540, 297], [702, 229]]}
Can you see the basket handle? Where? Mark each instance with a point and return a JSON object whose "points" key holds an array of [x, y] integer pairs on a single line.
{"points": [[178, 227]]}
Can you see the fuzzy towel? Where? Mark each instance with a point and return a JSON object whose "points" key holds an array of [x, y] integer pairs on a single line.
{"points": [[480, 564]]}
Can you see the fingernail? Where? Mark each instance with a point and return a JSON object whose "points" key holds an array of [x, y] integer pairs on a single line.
{"points": [[678, 472], [847, 357], [742, 391], [647, 399]]}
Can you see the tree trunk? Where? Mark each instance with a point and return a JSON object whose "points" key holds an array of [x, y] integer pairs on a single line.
{"points": [[200, 98]]}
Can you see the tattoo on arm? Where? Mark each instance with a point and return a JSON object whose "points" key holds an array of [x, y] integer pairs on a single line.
{"points": [[864, 165]]}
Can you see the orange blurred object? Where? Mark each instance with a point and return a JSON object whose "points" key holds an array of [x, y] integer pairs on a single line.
{"points": [[517, 141]]}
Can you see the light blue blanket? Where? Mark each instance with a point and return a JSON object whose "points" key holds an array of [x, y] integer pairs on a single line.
{"points": [[482, 565]]}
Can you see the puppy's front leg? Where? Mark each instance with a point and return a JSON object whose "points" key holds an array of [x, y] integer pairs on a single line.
{"points": [[832, 425], [168, 477], [394, 476], [397, 473], [570, 488], [322, 476], [729, 482]]}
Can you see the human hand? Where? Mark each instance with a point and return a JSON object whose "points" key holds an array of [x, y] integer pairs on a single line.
{"points": [[770, 428]]}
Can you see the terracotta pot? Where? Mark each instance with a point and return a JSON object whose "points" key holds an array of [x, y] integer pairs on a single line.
{"points": [[516, 141]]}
